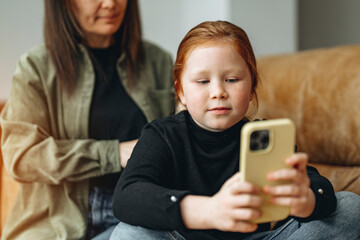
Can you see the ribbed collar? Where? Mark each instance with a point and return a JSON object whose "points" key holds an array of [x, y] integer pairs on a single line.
{"points": [[202, 134]]}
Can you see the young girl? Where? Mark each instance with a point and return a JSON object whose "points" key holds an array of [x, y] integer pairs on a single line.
{"points": [[182, 180]]}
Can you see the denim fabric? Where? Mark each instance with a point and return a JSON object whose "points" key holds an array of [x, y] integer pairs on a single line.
{"points": [[105, 235], [343, 224], [125, 231], [100, 216]]}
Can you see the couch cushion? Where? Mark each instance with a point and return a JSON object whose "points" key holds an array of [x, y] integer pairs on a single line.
{"points": [[320, 91]]}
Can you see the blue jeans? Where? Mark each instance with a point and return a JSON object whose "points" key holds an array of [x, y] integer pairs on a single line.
{"points": [[104, 235], [101, 220], [342, 224]]}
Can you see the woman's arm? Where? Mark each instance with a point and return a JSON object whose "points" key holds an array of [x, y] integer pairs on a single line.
{"points": [[125, 150], [33, 148]]}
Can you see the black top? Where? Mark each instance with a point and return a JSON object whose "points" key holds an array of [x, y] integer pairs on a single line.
{"points": [[175, 157], [113, 114]]}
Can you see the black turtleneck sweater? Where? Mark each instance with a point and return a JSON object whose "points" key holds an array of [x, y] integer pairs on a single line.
{"points": [[175, 157]]}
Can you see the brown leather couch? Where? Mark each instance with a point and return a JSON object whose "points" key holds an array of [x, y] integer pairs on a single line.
{"points": [[320, 91], [8, 189]]}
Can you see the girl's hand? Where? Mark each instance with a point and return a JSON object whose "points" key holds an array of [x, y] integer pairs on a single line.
{"points": [[234, 205], [297, 194], [230, 209]]}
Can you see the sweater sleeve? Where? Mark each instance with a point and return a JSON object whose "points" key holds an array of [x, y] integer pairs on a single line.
{"points": [[324, 195], [143, 195], [31, 144]]}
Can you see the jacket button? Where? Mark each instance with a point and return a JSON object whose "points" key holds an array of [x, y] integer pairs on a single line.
{"points": [[320, 191], [173, 198]]}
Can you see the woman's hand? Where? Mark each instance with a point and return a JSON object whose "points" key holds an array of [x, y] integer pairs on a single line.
{"points": [[125, 150], [228, 210], [297, 194]]}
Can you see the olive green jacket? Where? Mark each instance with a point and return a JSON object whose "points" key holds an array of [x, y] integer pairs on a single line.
{"points": [[45, 140]]}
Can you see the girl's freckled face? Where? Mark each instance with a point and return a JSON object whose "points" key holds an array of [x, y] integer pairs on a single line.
{"points": [[216, 86]]}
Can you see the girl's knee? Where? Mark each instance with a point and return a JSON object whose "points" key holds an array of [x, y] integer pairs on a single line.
{"points": [[348, 198], [348, 203], [124, 230]]}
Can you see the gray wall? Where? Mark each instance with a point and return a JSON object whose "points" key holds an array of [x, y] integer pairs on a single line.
{"points": [[164, 22], [327, 23], [276, 26], [271, 25], [20, 29]]}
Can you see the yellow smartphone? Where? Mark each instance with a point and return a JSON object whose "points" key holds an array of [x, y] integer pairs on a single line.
{"points": [[264, 146]]}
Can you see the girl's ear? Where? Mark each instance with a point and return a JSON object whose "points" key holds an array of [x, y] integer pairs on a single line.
{"points": [[181, 97]]}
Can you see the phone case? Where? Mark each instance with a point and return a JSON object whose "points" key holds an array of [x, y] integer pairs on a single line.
{"points": [[277, 142]]}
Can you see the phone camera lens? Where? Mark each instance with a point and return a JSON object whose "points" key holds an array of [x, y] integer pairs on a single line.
{"points": [[259, 140], [254, 146]]}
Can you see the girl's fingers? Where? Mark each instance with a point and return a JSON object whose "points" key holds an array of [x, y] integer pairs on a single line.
{"points": [[235, 178], [292, 202], [298, 161], [245, 214], [241, 226], [284, 201], [236, 186], [246, 200], [291, 174], [243, 187], [297, 172], [285, 174], [291, 190], [300, 206]]}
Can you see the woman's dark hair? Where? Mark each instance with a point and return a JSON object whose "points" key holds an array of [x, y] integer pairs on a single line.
{"points": [[62, 34]]}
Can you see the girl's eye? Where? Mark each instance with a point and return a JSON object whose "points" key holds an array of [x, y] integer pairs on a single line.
{"points": [[231, 80], [202, 81]]}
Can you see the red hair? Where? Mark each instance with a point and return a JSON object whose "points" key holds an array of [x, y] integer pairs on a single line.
{"points": [[210, 32]]}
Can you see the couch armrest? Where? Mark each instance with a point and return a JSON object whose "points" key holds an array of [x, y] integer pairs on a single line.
{"points": [[8, 189], [343, 178], [319, 90]]}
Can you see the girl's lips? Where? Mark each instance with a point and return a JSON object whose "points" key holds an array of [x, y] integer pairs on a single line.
{"points": [[220, 110]]}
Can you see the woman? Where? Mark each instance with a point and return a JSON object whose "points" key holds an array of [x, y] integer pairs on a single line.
{"points": [[76, 107]]}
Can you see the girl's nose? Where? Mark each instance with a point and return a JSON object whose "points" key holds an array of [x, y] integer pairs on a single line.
{"points": [[218, 91]]}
